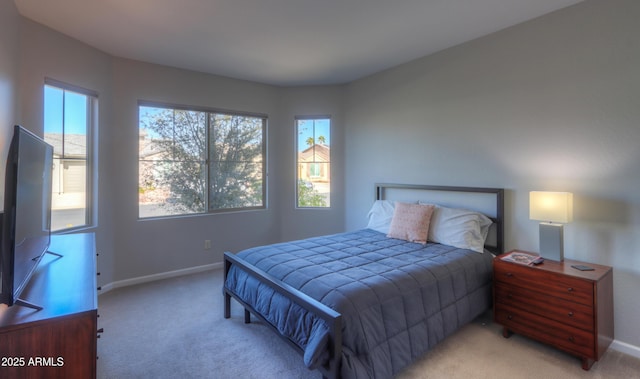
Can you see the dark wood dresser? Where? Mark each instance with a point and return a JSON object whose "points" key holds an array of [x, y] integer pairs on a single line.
{"points": [[556, 304], [58, 341]]}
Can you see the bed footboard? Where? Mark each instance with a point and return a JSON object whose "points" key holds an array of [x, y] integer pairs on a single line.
{"points": [[333, 319]]}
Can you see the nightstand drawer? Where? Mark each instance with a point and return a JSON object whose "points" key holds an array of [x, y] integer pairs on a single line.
{"points": [[566, 312], [549, 283], [546, 330], [556, 304]]}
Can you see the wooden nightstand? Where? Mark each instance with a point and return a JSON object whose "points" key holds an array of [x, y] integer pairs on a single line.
{"points": [[556, 304]]}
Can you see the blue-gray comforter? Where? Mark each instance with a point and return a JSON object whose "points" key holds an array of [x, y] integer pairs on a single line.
{"points": [[398, 299]]}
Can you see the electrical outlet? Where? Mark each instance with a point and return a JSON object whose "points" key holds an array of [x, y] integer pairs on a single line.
{"points": [[207, 244]]}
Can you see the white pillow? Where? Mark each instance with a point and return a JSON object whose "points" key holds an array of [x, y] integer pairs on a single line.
{"points": [[459, 228], [380, 215]]}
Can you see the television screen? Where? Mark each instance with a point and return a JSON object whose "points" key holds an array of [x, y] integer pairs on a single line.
{"points": [[27, 210]]}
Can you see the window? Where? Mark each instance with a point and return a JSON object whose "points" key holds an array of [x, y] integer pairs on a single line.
{"points": [[68, 125], [193, 161], [314, 170], [313, 162]]}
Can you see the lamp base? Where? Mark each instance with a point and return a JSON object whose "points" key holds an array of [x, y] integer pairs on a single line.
{"points": [[552, 241]]}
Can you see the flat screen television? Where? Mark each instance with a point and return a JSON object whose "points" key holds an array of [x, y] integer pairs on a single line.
{"points": [[26, 222]]}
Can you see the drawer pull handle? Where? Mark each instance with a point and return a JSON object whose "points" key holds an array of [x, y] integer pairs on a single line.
{"points": [[510, 317], [570, 289], [509, 274], [510, 296], [570, 314], [571, 338]]}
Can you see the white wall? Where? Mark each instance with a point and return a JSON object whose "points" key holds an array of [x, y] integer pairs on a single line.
{"points": [[551, 104], [9, 31]]}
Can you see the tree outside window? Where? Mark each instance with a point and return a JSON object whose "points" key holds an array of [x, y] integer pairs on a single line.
{"points": [[195, 161]]}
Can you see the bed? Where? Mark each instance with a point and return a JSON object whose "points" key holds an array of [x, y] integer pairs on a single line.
{"points": [[361, 304]]}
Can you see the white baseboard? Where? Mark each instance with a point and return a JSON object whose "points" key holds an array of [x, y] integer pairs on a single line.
{"points": [[163, 275], [626, 348]]}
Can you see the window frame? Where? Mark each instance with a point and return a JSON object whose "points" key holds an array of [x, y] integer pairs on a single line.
{"points": [[298, 118], [209, 111], [91, 130]]}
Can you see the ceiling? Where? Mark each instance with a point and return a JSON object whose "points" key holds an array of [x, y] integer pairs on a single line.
{"points": [[281, 42]]}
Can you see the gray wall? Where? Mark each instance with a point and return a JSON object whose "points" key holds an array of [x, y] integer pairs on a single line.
{"points": [[45, 53], [551, 104], [9, 32], [311, 101], [132, 248], [147, 247]]}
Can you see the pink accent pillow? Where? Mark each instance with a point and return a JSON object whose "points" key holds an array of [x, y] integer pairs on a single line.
{"points": [[410, 222]]}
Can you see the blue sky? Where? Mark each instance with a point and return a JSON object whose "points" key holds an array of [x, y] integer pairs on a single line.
{"points": [[314, 129], [75, 111]]}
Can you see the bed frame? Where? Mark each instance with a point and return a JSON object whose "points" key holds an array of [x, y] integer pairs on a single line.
{"points": [[331, 370]]}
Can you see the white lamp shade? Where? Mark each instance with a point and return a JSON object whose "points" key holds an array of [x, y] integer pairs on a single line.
{"points": [[551, 206]]}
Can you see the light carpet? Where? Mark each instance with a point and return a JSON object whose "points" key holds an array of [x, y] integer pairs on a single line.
{"points": [[175, 328]]}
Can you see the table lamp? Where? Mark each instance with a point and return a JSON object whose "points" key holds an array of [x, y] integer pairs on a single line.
{"points": [[555, 209]]}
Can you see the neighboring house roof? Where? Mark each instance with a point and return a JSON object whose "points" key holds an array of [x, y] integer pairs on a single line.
{"points": [[75, 144], [317, 152], [148, 148]]}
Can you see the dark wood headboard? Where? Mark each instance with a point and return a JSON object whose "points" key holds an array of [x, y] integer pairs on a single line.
{"points": [[494, 208]]}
